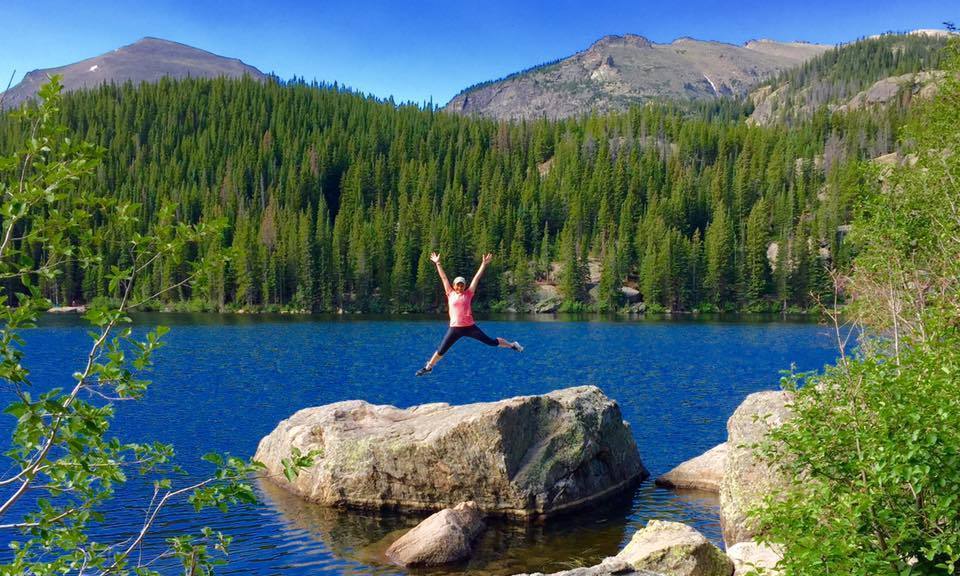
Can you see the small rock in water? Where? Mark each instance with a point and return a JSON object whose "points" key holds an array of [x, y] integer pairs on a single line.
{"points": [[67, 309], [705, 472], [446, 536], [675, 549]]}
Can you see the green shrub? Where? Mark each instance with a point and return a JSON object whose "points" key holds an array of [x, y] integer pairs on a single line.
{"points": [[874, 449], [874, 454]]}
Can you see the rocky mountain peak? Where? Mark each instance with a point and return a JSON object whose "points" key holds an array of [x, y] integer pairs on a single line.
{"points": [[632, 40], [617, 71], [146, 60]]}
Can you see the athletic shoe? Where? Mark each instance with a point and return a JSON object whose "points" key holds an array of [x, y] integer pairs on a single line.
{"points": [[424, 371], [516, 346]]}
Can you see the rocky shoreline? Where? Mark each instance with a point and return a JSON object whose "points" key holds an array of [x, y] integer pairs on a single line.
{"points": [[529, 458]]}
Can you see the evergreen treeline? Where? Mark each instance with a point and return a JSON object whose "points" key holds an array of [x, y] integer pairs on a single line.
{"points": [[334, 201]]}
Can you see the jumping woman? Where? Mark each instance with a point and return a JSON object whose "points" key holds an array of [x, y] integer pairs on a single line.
{"points": [[459, 298]]}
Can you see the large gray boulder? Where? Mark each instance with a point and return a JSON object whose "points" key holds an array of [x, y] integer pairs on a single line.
{"points": [[446, 536], [746, 479], [675, 549], [526, 457], [701, 473]]}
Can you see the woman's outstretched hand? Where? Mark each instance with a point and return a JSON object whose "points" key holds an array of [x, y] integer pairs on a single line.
{"points": [[487, 258], [435, 258]]}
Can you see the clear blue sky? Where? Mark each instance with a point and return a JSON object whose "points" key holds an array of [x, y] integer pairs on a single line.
{"points": [[418, 50]]}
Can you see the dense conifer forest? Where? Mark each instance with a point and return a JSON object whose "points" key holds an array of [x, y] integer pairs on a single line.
{"points": [[331, 200]]}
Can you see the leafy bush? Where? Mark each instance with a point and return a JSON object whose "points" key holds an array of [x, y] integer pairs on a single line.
{"points": [[874, 454], [874, 448]]}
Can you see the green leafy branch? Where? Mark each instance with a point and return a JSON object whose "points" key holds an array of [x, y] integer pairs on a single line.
{"points": [[60, 449]]}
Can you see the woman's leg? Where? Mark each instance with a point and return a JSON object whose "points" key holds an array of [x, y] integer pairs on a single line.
{"points": [[476, 333], [453, 334], [449, 339]]}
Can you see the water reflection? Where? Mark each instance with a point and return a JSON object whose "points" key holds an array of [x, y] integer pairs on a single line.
{"points": [[581, 538]]}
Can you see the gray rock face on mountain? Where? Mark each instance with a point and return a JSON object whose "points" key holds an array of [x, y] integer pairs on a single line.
{"points": [[675, 549], [705, 472], [618, 71], [921, 85], [147, 60], [775, 103], [746, 479], [525, 457], [446, 536]]}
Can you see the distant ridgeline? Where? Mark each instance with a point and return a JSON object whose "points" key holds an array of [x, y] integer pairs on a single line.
{"points": [[334, 200]]}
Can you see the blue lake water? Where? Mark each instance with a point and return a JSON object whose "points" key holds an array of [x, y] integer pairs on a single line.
{"points": [[223, 382]]}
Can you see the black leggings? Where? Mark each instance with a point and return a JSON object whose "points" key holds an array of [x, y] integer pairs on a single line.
{"points": [[457, 332]]}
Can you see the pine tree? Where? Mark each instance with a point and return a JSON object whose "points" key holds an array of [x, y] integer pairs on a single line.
{"points": [[572, 280], [324, 276], [545, 254], [651, 275], [718, 249], [756, 253], [695, 270], [521, 285], [305, 292], [609, 294]]}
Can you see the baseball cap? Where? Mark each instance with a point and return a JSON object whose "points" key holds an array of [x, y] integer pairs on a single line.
{"points": [[459, 280]]}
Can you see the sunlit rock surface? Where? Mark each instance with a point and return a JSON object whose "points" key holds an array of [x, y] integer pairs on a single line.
{"points": [[675, 549], [526, 456], [704, 472], [746, 479]]}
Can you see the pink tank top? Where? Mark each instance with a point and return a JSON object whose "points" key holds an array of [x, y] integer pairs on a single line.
{"points": [[460, 313]]}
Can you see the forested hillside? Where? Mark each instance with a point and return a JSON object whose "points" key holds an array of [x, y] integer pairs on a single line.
{"points": [[333, 200], [835, 77]]}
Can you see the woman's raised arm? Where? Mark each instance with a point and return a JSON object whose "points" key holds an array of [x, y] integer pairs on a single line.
{"points": [[483, 266], [435, 258]]}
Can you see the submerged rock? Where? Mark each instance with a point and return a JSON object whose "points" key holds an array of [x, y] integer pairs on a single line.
{"points": [[704, 472], [675, 549], [747, 479], [526, 456], [446, 536]]}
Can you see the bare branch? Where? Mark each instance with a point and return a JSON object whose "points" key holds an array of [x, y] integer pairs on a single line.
{"points": [[149, 522], [167, 289], [56, 518]]}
